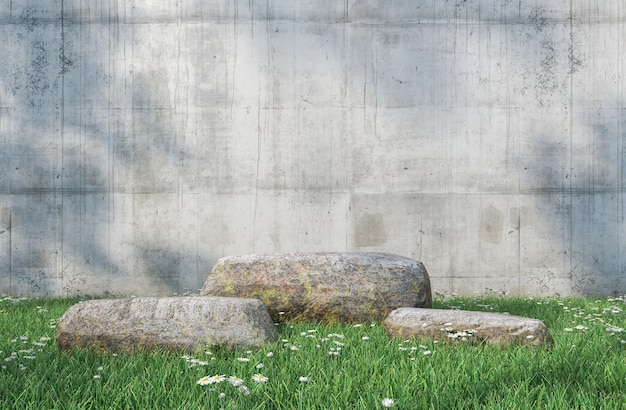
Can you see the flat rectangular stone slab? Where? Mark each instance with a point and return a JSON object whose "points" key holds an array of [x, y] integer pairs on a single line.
{"points": [[462, 325], [175, 323]]}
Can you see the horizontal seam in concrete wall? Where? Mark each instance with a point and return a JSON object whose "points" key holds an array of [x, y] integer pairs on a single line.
{"points": [[228, 21]]}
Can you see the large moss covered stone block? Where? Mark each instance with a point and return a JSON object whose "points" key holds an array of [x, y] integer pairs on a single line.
{"points": [[329, 287]]}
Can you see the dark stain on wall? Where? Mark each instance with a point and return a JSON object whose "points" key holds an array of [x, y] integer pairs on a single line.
{"points": [[491, 224], [370, 231]]}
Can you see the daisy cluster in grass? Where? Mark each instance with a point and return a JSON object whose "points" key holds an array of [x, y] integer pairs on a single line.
{"points": [[24, 349], [596, 316], [234, 381]]}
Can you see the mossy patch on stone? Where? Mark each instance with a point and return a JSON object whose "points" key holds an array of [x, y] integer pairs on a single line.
{"points": [[329, 287]]}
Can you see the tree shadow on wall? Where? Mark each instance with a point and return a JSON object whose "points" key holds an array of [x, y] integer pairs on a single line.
{"points": [[576, 241], [79, 143]]}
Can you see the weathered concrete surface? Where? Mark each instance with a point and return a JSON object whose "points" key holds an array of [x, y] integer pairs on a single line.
{"points": [[329, 287], [140, 141], [462, 325], [178, 323]]}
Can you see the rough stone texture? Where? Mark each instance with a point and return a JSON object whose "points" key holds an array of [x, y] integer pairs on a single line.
{"points": [[177, 323], [330, 287], [477, 327]]}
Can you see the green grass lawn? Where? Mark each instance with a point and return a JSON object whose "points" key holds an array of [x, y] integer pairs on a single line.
{"points": [[317, 366]]}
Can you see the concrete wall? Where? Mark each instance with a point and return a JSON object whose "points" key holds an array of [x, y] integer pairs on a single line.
{"points": [[142, 140]]}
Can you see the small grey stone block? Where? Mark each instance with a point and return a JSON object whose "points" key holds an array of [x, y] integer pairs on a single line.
{"points": [[478, 327], [175, 323]]}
